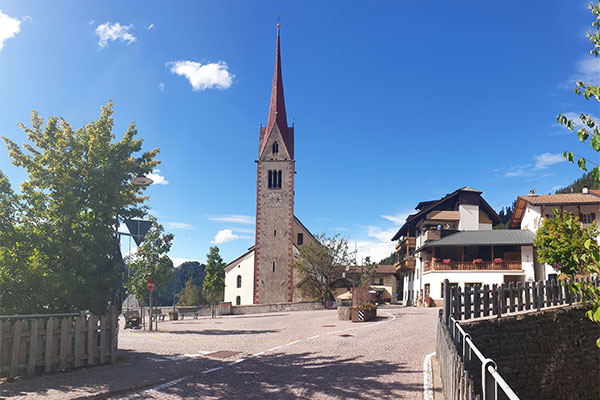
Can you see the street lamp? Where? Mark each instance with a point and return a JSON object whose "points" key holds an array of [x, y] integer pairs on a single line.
{"points": [[141, 180]]}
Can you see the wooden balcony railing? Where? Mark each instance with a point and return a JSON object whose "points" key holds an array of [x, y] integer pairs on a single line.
{"points": [[468, 266]]}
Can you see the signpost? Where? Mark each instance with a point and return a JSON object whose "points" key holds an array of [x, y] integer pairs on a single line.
{"points": [[151, 287]]}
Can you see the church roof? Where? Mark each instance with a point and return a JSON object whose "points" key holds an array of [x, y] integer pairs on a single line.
{"points": [[277, 114]]}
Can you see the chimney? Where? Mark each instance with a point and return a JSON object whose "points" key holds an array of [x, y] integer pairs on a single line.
{"points": [[585, 190], [532, 192]]}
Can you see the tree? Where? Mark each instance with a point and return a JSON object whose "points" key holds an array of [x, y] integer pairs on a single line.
{"points": [[587, 128], [214, 281], [165, 295], [321, 263], [150, 261], [566, 244], [61, 251], [190, 295], [362, 288]]}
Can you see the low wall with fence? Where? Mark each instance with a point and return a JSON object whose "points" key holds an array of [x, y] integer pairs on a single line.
{"points": [[275, 307], [31, 345], [551, 354]]}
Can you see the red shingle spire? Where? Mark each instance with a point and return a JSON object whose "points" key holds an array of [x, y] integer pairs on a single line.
{"points": [[277, 114]]}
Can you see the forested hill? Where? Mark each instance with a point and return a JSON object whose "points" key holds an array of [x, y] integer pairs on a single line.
{"points": [[577, 186]]}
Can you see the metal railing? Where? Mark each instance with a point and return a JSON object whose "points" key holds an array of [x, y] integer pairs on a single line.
{"points": [[491, 380]]}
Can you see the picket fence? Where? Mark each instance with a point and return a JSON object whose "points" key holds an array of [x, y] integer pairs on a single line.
{"points": [[30, 345], [475, 302]]}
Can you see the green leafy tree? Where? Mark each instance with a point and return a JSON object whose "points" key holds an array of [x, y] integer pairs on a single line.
{"points": [[190, 295], [321, 263], [214, 281], [150, 261], [566, 244], [61, 251], [588, 131]]}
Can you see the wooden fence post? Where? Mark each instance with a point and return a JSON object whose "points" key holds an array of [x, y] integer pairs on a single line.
{"points": [[15, 349], [512, 296], [78, 349], [477, 301], [495, 304], [527, 298], [459, 312], [113, 334], [65, 342], [486, 300], [49, 356], [92, 343], [33, 347], [467, 302], [446, 301], [103, 339], [519, 296]]}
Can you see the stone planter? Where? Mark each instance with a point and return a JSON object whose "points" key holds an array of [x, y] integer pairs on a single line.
{"points": [[173, 315], [363, 315], [344, 313]]}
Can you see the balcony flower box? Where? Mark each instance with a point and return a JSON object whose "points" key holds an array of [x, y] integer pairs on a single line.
{"points": [[366, 312], [498, 260], [447, 261], [477, 261]]}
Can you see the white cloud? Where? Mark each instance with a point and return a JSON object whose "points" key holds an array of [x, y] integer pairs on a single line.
{"points": [[161, 86], [150, 27], [233, 218], [376, 250], [202, 77], [397, 219], [226, 235], [380, 234], [179, 225], [9, 27], [112, 32], [27, 18], [157, 178], [243, 230], [517, 170], [545, 160], [587, 70], [177, 261]]}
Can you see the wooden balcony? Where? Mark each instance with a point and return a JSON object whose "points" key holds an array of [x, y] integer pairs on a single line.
{"points": [[407, 242], [406, 265], [430, 235], [469, 266]]}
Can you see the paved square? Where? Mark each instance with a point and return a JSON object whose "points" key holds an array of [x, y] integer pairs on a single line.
{"points": [[306, 354]]}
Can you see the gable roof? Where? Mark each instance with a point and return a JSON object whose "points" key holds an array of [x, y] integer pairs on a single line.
{"points": [[411, 220], [561, 199], [232, 264], [494, 237]]}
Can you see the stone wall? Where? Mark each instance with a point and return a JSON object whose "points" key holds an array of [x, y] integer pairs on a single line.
{"points": [[550, 354], [265, 308]]}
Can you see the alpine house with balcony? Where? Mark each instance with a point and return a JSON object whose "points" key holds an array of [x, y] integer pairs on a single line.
{"points": [[452, 238]]}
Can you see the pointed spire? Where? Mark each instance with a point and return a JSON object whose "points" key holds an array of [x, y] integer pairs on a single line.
{"points": [[277, 114]]}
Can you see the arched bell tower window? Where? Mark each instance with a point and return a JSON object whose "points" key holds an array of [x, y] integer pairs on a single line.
{"points": [[275, 147]]}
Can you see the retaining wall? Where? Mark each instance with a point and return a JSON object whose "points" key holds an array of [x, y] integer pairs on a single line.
{"points": [[551, 354], [265, 308]]}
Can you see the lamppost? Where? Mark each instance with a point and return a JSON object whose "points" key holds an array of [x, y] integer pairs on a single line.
{"points": [[139, 180]]}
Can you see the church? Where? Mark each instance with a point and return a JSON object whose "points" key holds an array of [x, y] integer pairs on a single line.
{"points": [[264, 274]]}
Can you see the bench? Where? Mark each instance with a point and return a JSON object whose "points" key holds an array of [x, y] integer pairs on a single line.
{"points": [[188, 310], [157, 313], [132, 319]]}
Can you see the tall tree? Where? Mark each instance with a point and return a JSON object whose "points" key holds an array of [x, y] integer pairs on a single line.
{"points": [[150, 261], [190, 295], [214, 281], [78, 186], [321, 263]]}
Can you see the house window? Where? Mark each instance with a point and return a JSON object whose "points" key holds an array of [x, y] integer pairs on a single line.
{"points": [[274, 232], [239, 281], [238, 301], [300, 239], [273, 266], [275, 148], [588, 218]]}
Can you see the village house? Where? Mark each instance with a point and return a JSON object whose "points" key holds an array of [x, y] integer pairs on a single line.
{"points": [[452, 238], [531, 210], [383, 284]]}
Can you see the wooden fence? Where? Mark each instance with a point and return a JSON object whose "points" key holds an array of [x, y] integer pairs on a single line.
{"points": [[475, 302], [29, 346]]}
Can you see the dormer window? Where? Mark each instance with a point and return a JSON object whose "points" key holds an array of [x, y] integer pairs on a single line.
{"points": [[275, 147]]}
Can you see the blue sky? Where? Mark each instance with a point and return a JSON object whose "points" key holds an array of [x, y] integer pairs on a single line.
{"points": [[394, 102]]}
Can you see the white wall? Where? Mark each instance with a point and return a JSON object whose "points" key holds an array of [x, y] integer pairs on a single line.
{"points": [[436, 278], [528, 262], [244, 268], [469, 217]]}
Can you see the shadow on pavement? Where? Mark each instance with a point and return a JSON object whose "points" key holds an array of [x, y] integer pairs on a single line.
{"points": [[219, 332]]}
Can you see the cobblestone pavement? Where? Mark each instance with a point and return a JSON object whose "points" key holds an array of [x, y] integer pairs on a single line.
{"points": [[304, 354]]}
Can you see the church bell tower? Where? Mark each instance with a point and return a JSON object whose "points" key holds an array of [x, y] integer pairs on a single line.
{"points": [[273, 274]]}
